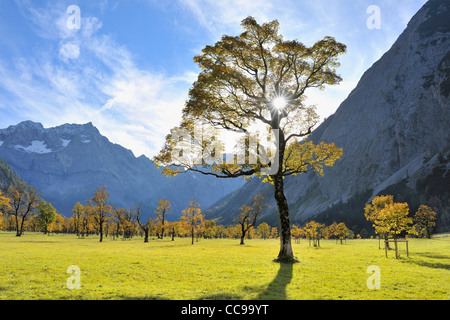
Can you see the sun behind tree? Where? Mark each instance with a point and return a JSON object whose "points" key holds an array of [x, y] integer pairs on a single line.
{"points": [[254, 84]]}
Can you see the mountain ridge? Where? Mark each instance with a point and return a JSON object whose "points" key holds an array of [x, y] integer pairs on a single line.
{"points": [[67, 163]]}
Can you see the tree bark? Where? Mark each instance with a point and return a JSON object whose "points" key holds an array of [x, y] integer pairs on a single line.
{"points": [[285, 253], [18, 234], [146, 235], [101, 231]]}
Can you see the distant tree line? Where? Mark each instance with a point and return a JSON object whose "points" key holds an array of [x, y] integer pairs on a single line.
{"points": [[21, 209]]}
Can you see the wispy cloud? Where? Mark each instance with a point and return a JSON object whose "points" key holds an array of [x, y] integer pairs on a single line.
{"points": [[88, 76]]}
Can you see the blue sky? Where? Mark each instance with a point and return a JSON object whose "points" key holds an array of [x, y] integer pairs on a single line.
{"points": [[128, 68]]}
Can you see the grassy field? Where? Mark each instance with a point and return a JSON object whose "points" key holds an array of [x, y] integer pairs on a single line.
{"points": [[34, 267]]}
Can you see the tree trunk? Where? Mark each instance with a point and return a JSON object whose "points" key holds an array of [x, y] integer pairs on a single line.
{"points": [[101, 232], [146, 235], [285, 253], [243, 231], [17, 227]]}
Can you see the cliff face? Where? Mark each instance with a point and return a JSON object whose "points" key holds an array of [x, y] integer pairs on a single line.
{"points": [[398, 116], [392, 126], [67, 163]]}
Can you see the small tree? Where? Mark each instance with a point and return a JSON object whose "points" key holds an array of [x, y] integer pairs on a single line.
{"points": [[263, 230], [77, 214], [146, 226], [161, 211], [47, 215], [23, 202], [341, 231], [209, 229], [100, 209], [425, 218], [297, 233], [389, 218], [248, 215], [313, 231], [192, 218], [372, 211], [274, 233], [393, 219]]}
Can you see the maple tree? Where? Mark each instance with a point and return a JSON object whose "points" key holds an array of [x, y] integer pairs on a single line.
{"points": [[263, 230], [191, 218], [425, 217], [77, 214], [340, 231], [249, 214], [372, 210], [47, 215], [256, 80], [99, 209], [388, 217], [313, 231], [164, 208], [146, 226], [23, 202]]}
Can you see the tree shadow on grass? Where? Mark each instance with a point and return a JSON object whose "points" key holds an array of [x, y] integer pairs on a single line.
{"points": [[429, 264], [276, 290]]}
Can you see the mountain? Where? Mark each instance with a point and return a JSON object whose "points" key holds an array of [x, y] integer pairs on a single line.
{"points": [[8, 177], [67, 163], [394, 131]]}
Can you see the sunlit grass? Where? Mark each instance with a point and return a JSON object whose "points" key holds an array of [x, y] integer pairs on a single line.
{"points": [[34, 267]]}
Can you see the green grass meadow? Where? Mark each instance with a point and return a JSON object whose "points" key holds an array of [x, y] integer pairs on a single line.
{"points": [[34, 267]]}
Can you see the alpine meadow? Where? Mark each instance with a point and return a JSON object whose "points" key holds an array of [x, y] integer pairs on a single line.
{"points": [[216, 156]]}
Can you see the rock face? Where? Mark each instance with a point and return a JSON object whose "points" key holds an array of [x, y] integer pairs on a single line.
{"points": [[392, 126], [67, 163]]}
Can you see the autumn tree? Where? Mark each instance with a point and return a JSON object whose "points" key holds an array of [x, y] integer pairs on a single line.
{"points": [[4, 204], [256, 82], [340, 231], [146, 225], [191, 218], [425, 219], [23, 202], [164, 208], [249, 214], [209, 229], [175, 228], [232, 232], [220, 231], [77, 214], [389, 218], [86, 219], [47, 215], [373, 209], [100, 209], [273, 233], [393, 219], [263, 230], [313, 231], [297, 233]]}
